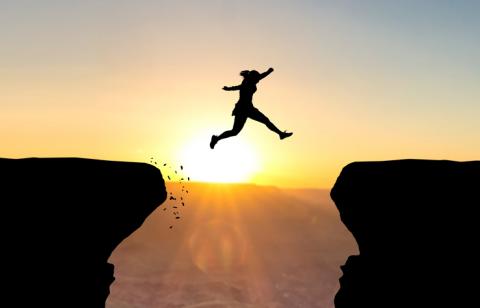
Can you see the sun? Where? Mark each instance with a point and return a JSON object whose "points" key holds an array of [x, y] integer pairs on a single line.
{"points": [[233, 160]]}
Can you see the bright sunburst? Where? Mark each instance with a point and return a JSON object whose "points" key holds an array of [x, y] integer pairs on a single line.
{"points": [[232, 160]]}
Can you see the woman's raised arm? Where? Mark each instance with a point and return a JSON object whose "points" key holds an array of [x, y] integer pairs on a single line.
{"points": [[265, 74]]}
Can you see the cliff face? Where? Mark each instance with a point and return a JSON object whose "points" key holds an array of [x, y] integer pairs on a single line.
{"points": [[415, 225], [61, 220]]}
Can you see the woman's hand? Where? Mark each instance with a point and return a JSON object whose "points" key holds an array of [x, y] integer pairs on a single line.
{"points": [[225, 88], [270, 70]]}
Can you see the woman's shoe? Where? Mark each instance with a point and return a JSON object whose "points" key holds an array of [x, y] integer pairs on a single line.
{"points": [[213, 141], [284, 135]]}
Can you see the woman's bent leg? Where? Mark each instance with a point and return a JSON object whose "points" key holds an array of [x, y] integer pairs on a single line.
{"points": [[238, 124], [237, 127]]}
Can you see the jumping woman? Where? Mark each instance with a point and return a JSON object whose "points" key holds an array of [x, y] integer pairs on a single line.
{"points": [[244, 107]]}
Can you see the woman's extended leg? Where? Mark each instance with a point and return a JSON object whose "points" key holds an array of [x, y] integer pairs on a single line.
{"points": [[260, 117], [238, 124]]}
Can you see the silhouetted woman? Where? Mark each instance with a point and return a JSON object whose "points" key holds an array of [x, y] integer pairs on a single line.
{"points": [[244, 107]]}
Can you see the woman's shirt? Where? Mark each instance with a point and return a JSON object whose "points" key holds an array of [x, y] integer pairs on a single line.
{"points": [[247, 89]]}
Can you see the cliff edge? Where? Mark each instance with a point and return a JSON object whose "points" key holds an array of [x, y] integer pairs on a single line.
{"points": [[415, 225], [61, 220]]}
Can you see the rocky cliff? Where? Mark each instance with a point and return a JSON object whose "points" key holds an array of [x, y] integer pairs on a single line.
{"points": [[416, 228], [61, 220]]}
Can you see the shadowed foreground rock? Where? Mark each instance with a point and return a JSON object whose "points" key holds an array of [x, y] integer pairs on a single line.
{"points": [[415, 222], [61, 220]]}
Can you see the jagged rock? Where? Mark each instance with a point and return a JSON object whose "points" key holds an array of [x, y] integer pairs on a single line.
{"points": [[61, 220], [415, 223]]}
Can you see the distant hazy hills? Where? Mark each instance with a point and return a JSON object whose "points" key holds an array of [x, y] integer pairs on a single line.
{"points": [[234, 246]]}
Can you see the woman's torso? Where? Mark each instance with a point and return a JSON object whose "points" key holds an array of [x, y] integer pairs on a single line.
{"points": [[245, 104], [247, 90]]}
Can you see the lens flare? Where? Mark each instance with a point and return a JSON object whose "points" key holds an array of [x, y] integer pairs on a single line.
{"points": [[217, 247]]}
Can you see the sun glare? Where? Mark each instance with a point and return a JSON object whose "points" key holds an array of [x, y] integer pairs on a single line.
{"points": [[233, 160]]}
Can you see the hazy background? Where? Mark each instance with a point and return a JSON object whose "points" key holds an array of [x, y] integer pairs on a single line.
{"points": [[234, 246], [354, 80]]}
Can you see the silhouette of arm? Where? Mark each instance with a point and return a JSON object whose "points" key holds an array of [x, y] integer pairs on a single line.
{"points": [[234, 88], [265, 74]]}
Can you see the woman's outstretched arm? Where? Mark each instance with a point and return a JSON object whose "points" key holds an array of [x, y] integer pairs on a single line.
{"points": [[265, 74], [231, 88]]}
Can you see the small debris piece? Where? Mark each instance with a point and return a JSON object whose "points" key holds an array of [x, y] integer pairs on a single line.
{"points": [[171, 227], [164, 164], [168, 177], [177, 217], [181, 167]]}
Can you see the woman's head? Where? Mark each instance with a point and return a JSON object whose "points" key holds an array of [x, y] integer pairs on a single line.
{"points": [[253, 74]]}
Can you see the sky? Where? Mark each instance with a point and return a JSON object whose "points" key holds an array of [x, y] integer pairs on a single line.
{"points": [[130, 80]]}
